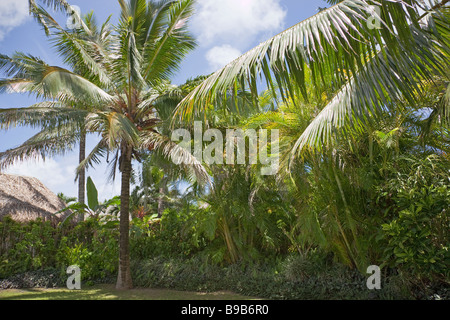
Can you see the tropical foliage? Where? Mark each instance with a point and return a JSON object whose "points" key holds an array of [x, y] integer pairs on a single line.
{"points": [[359, 93], [122, 104]]}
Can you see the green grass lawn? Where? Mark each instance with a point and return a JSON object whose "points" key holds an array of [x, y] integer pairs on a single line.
{"points": [[108, 292]]}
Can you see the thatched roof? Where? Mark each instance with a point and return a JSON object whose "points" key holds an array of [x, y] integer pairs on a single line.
{"points": [[25, 199]]}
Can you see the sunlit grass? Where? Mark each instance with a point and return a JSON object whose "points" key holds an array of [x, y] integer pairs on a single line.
{"points": [[108, 292]]}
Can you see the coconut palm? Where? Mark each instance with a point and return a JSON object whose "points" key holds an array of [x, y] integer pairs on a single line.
{"points": [[158, 173], [42, 114], [148, 44], [367, 57]]}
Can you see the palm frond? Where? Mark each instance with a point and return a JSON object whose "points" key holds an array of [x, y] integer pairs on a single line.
{"points": [[84, 51], [129, 58], [47, 143], [333, 45], [94, 157], [382, 80], [60, 5], [114, 127], [166, 47], [47, 114], [154, 141], [444, 106], [50, 82]]}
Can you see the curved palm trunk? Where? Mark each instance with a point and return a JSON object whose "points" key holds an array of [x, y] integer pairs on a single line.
{"points": [[82, 173], [124, 277]]}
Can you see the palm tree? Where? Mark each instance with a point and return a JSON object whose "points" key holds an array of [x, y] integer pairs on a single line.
{"points": [[41, 113], [46, 114], [146, 48], [365, 66]]}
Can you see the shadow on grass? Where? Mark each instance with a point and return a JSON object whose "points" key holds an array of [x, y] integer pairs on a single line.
{"points": [[108, 292]]}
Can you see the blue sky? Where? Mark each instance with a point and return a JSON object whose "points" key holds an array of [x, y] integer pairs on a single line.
{"points": [[224, 29]]}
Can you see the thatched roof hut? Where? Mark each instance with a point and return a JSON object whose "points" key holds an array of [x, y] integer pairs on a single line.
{"points": [[25, 199]]}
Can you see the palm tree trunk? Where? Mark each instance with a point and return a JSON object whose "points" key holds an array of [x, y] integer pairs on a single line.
{"points": [[82, 173], [124, 276], [161, 199]]}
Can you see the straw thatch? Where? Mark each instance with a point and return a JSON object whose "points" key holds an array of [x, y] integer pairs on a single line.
{"points": [[25, 199]]}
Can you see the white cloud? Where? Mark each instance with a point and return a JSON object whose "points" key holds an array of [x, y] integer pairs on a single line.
{"points": [[220, 56], [4, 32], [54, 175], [239, 21], [12, 14]]}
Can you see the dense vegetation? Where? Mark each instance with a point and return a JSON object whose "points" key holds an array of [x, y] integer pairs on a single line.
{"points": [[401, 225], [364, 175]]}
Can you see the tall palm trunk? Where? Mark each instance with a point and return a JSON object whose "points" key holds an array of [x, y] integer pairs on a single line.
{"points": [[82, 173], [124, 277], [162, 189]]}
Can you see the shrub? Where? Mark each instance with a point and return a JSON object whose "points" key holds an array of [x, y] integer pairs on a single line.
{"points": [[170, 236], [415, 237], [97, 258], [285, 278], [37, 246], [26, 247]]}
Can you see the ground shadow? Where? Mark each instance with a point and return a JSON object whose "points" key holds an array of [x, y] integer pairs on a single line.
{"points": [[108, 292]]}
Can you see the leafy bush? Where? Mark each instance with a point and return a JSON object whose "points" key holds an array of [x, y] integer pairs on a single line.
{"points": [[27, 247], [93, 246], [276, 280], [300, 267], [170, 236], [38, 245], [97, 258], [416, 238]]}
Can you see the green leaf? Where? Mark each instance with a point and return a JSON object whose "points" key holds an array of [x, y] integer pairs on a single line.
{"points": [[92, 194]]}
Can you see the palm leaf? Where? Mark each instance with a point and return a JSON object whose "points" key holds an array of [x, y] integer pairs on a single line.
{"points": [[165, 48], [154, 141], [114, 127], [93, 157], [43, 114], [48, 142], [82, 50], [35, 76], [61, 5], [382, 80], [333, 45]]}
